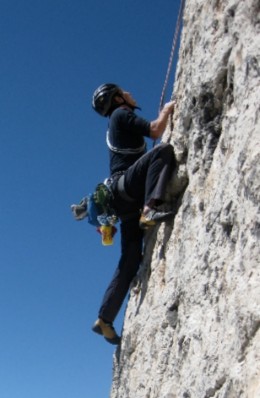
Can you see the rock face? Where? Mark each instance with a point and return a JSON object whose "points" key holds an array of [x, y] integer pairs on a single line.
{"points": [[192, 325]]}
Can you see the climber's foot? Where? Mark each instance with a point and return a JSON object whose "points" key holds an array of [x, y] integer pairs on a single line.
{"points": [[154, 217], [107, 331]]}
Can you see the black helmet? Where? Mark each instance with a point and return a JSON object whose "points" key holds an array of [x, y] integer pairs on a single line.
{"points": [[103, 97]]}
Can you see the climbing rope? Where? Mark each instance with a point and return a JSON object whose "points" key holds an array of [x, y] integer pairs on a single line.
{"points": [[174, 43]]}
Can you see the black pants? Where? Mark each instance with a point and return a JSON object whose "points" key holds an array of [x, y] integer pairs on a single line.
{"points": [[145, 181], [131, 256], [147, 178]]}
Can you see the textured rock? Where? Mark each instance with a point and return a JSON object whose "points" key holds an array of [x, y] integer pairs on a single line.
{"points": [[192, 325]]}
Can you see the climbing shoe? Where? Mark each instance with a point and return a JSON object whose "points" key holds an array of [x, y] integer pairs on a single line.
{"points": [[107, 331], [154, 217]]}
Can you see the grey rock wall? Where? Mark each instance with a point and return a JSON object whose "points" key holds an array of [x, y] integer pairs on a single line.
{"points": [[192, 323]]}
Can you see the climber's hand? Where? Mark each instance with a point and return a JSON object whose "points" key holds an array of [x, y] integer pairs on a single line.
{"points": [[169, 107], [158, 126]]}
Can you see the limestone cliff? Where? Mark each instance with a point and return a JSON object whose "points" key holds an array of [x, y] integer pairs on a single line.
{"points": [[191, 328]]}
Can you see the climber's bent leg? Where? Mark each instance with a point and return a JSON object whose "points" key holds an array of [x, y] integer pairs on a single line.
{"points": [[147, 178]]}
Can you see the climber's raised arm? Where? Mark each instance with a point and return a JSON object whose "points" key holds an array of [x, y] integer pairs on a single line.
{"points": [[158, 126]]}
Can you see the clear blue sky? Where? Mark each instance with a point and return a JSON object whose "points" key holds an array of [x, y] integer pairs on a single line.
{"points": [[54, 270]]}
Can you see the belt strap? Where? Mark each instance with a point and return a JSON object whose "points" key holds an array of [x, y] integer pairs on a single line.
{"points": [[121, 190]]}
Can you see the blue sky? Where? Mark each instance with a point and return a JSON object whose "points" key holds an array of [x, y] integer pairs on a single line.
{"points": [[54, 270]]}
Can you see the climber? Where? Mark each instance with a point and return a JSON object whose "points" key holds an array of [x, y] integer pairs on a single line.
{"points": [[138, 181]]}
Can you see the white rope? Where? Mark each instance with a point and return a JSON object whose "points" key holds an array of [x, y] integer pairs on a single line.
{"points": [[174, 42]]}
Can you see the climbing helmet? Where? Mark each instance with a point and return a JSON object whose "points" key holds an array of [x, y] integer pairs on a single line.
{"points": [[103, 98]]}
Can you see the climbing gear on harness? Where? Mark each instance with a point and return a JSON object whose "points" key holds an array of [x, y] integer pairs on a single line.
{"points": [[80, 211], [98, 207], [103, 98], [154, 217], [107, 232], [125, 151], [107, 330]]}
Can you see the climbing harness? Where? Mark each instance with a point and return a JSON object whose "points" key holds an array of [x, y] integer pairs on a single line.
{"points": [[121, 189], [174, 43], [125, 151], [119, 179]]}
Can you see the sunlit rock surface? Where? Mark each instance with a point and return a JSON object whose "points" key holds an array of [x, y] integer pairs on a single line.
{"points": [[191, 327]]}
